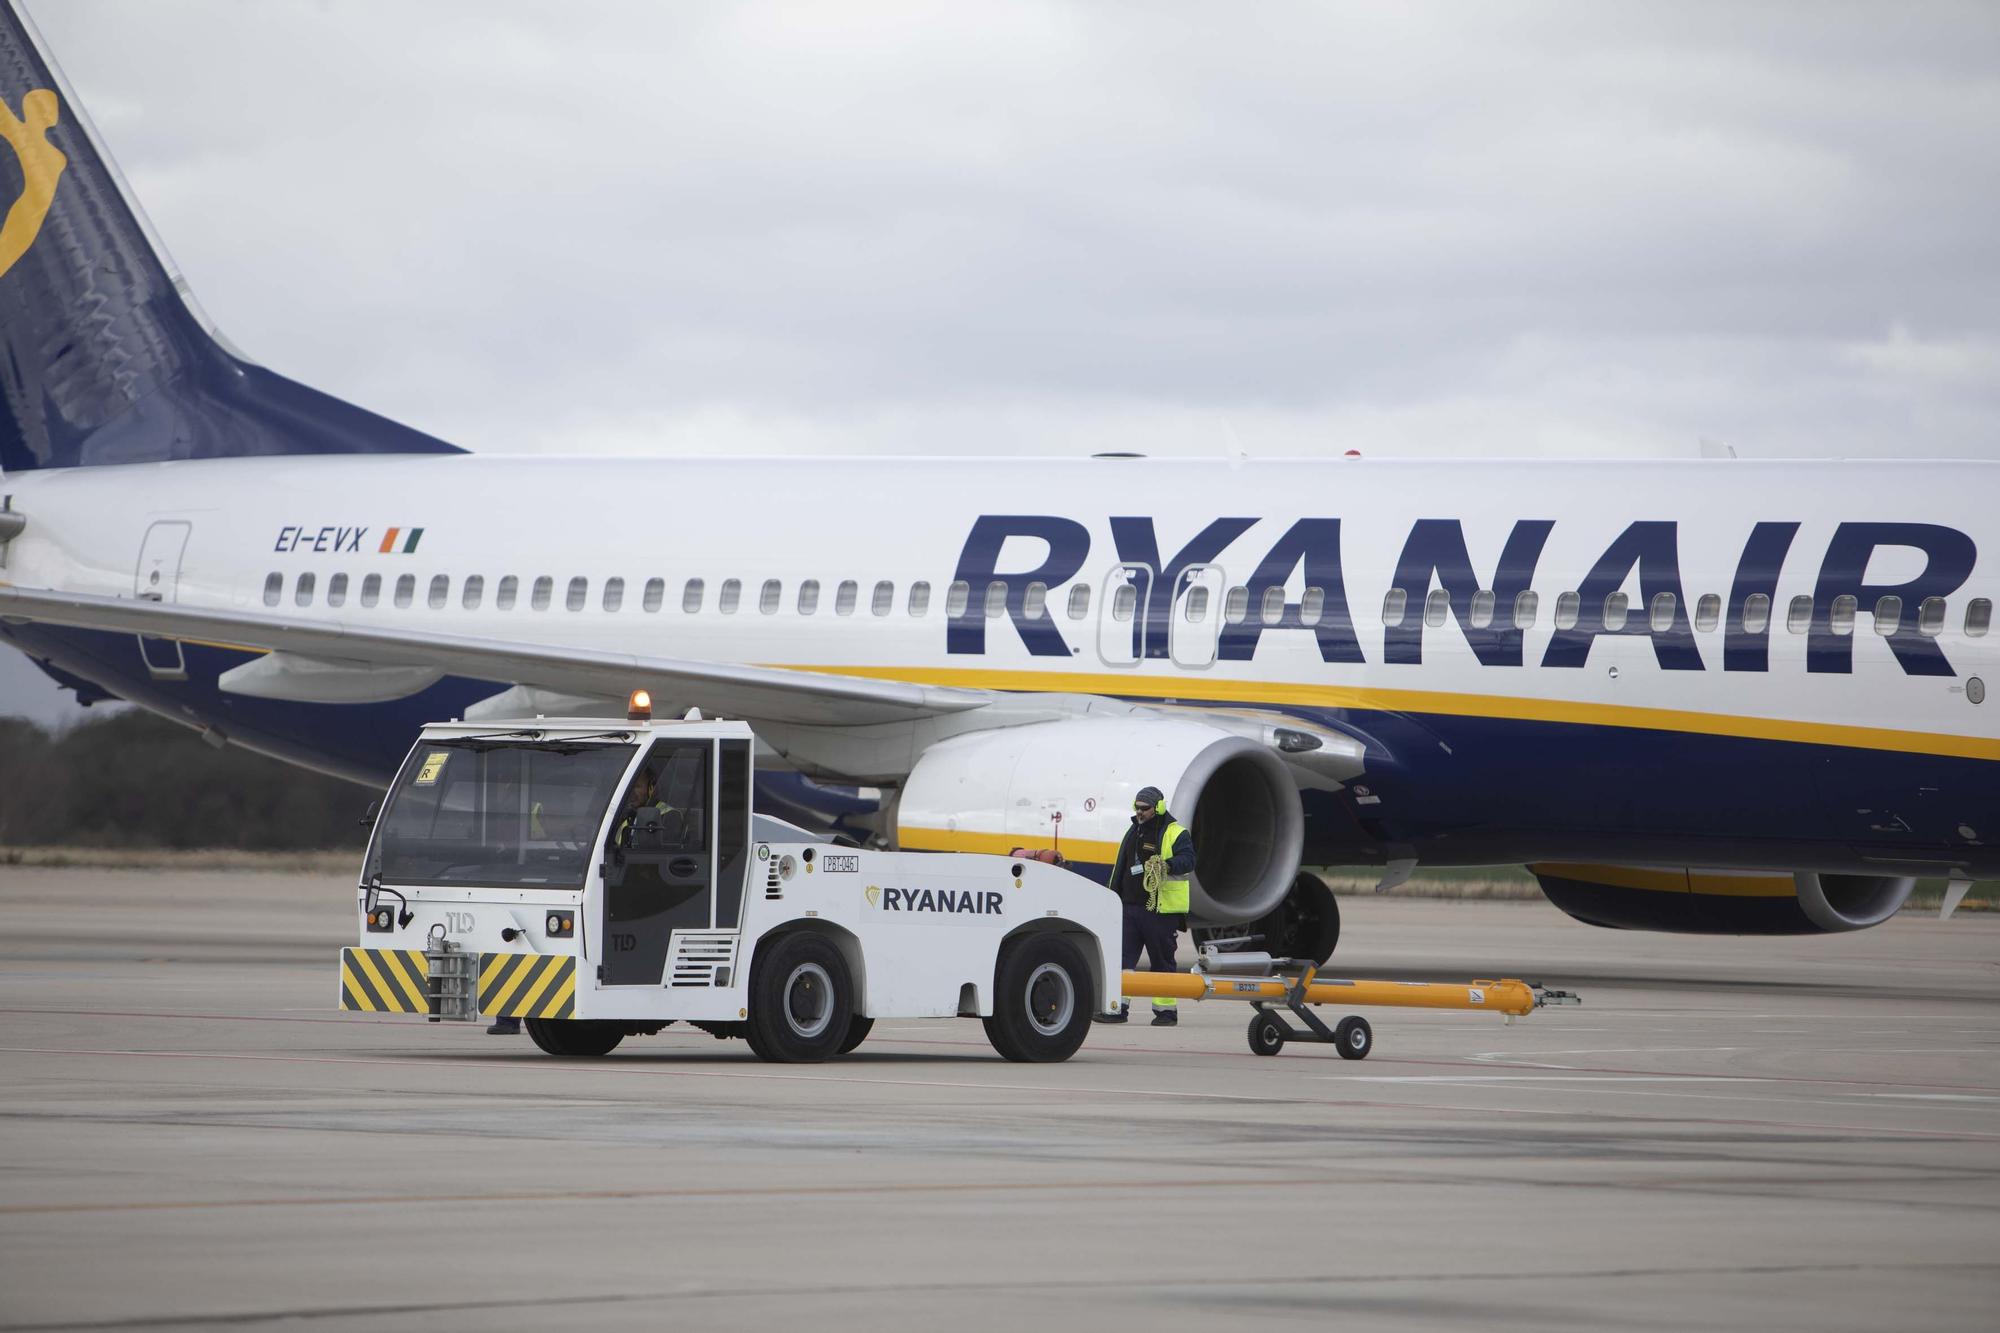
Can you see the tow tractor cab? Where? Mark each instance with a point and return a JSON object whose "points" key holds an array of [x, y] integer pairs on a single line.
{"points": [[602, 881]]}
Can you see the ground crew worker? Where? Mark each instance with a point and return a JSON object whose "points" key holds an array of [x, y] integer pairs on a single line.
{"points": [[1151, 876]]}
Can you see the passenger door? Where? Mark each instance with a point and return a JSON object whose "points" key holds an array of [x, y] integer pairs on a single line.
{"points": [[659, 873], [157, 579]]}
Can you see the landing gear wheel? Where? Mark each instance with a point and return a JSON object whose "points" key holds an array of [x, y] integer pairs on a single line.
{"points": [[1353, 1038], [858, 1029], [1041, 1000], [801, 1000], [1267, 1034], [575, 1037], [1307, 923]]}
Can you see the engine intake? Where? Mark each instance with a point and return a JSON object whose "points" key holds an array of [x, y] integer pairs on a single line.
{"points": [[1074, 780]]}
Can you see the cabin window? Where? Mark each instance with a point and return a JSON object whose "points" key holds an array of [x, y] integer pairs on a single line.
{"points": [[1393, 607], [1707, 612], [1840, 614], [1194, 607], [1617, 610], [578, 593], [1978, 617], [808, 597], [884, 600], [336, 590], [614, 594], [303, 593], [691, 597], [371, 590], [1273, 608], [1756, 613], [1035, 600], [474, 591], [538, 596], [1930, 617], [956, 598], [1660, 613], [920, 600], [1312, 606], [1079, 601], [1888, 615], [1569, 609], [274, 588], [1437, 605], [1124, 601], [996, 599], [1483, 602], [440, 592], [1236, 605], [768, 597], [656, 593], [731, 596], [1798, 618], [1527, 606], [503, 596], [406, 589]]}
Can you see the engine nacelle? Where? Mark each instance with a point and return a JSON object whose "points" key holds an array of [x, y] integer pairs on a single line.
{"points": [[1073, 781], [1722, 902]]}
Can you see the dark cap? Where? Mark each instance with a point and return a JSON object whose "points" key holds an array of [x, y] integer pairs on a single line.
{"points": [[1150, 796]]}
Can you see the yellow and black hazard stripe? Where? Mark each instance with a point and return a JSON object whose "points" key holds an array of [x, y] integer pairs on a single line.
{"points": [[383, 981], [526, 985]]}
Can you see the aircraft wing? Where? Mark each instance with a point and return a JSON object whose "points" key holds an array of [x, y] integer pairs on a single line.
{"points": [[766, 693]]}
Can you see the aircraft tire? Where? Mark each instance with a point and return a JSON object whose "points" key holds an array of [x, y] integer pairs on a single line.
{"points": [[575, 1038]]}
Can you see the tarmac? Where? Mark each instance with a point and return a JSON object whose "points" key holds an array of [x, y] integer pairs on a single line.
{"points": [[1729, 1133]]}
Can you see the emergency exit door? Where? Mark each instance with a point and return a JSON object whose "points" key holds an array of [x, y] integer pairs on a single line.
{"points": [[1194, 626], [157, 579], [1121, 615]]}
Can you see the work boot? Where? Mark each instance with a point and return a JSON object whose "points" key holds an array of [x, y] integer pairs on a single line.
{"points": [[505, 1027], [1121, 1016], [1166, 1018]]}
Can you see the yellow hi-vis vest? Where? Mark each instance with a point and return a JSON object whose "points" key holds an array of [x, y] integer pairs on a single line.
{"points": [[1167, 896]]}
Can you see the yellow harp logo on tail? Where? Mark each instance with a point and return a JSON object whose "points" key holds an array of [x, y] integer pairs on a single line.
{"points": [[42, 164]]}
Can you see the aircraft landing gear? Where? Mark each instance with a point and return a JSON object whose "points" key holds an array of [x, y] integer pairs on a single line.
{"points": [[1305, 925]]}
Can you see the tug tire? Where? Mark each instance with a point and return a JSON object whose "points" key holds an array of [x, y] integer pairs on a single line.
{"points": [[1042, 998], [858, 1029], [801, 1000], [575, 1037]]}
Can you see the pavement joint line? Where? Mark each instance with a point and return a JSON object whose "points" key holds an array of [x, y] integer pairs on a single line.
{"points": [[1484, 1059], [1260, 1284], [1235, 1098]]}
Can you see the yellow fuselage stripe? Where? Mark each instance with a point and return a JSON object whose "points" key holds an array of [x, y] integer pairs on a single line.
{"points": [[914, 839], [1218, 690]]}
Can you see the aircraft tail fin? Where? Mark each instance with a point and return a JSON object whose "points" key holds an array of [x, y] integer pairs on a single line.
{"points": [[104, 356]]}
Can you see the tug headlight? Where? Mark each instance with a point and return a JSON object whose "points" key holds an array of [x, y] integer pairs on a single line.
{"points": [[561, 925]]}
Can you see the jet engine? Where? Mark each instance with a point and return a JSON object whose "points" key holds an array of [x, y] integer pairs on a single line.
{"points": [[1069, 785], [1722, 902]]}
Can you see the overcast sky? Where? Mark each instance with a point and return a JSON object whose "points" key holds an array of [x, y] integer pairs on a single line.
{"points": [[1036, 228]]}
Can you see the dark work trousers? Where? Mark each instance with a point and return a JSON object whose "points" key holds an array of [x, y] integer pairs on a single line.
{"points": [[1155, 934]]}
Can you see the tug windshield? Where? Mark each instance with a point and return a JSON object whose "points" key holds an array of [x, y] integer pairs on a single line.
{"points": [[505, 814]]}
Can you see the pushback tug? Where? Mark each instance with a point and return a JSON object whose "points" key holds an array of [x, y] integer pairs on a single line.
{"points": [[603, 880]]}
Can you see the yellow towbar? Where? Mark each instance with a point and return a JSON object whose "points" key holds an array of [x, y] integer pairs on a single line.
{"points": [[1293, 984]]}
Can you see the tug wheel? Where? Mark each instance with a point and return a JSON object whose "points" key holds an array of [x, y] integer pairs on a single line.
{"points": [[1267, 1034], [801, 1000], [858, 1029], [575, 1037], [1041, 1000], [1353, 1038]]}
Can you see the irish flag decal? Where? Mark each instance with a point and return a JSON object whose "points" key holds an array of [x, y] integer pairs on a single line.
{"points": [[401, 541]]}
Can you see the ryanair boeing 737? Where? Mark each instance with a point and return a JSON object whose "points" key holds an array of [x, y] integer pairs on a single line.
{"points": [[1695, 696]]}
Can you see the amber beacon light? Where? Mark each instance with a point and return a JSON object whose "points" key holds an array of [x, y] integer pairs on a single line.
{"points": [[640, 707]]}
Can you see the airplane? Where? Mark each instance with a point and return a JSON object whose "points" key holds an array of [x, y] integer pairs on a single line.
{"points": [[1700, 696]]}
